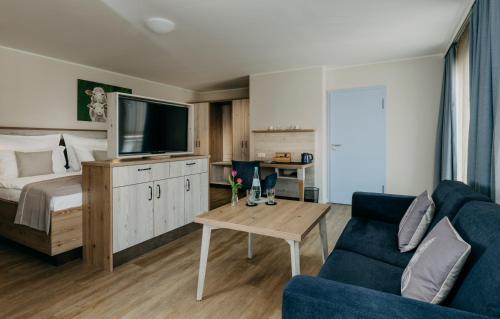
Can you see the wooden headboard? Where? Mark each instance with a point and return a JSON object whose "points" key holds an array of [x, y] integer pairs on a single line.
{"points": [[45, 131], [30, 131]]}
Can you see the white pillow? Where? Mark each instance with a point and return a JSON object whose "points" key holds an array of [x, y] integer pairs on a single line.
{"points": [[58, 160], [8, 163], [83, 154], [90, 144], [29, 143]]}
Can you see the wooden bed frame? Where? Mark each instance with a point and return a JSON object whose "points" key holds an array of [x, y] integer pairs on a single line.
{"points": [[65, 230], [66, 225]]}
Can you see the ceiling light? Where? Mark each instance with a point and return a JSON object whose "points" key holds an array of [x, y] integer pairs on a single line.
{"points": [[160, 25]]}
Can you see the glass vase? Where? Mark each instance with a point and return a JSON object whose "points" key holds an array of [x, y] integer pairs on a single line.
{"points": [[234, 198]]}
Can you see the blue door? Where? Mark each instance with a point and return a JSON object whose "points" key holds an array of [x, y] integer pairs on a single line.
{"points": [[357, 142]]}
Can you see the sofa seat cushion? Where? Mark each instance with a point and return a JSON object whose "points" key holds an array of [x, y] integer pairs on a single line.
{"points": [[355, 269], [375, 239]]}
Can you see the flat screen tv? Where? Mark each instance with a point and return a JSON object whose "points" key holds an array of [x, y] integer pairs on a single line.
{"points": [[149, 127]]}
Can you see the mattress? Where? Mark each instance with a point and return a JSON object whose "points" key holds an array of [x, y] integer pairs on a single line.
{"points": [[10, 189]]}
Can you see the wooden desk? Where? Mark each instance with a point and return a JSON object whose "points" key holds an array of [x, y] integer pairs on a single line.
{"points": [[288, 220], [298, 167]]}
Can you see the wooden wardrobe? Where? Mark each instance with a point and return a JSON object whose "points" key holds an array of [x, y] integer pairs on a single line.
{"points": [[222, 130]]}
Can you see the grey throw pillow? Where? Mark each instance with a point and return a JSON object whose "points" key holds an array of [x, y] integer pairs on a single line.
{"points": [[34, 163], [100, 155], [434, 268], [415, 222]]}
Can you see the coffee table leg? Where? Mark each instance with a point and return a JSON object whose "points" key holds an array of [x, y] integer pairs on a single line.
{"points": [[250, 245], [205, 244], [295, 257], [324, 237]]}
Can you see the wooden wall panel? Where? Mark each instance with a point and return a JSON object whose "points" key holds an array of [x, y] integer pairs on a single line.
{"points": [[294, 142]]}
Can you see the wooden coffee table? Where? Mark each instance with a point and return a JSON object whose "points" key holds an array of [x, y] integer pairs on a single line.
{"points": [[288, 220]]}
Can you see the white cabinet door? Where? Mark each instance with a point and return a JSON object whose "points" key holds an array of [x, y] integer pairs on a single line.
{"points": [[168, 205], [192, 197], [132, 215]]}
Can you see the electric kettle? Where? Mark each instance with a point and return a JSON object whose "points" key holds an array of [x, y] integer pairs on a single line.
{"points": [[306, 158]]}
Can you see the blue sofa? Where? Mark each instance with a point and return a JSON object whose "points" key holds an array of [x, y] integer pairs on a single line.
{"points": [[362, 276]]}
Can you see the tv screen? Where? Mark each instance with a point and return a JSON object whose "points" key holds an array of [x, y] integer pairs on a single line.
{"points": [[147, 127]]}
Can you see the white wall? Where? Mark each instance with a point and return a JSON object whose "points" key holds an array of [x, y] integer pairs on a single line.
{"points": [[36, 91], [412, 105], [295, 97]]}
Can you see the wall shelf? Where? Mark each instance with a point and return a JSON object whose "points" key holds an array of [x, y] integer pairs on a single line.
{"points": [[284, 131]]}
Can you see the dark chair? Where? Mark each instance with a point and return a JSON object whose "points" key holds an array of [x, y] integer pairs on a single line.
{"points": [[245, 171], [269, 182]]}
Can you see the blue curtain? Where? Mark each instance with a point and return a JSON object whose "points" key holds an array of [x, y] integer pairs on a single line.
{"points": [[484, 94], [446, 152]]}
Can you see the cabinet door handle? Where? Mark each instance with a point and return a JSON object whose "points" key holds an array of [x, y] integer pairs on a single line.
{"points": [[188, 185], [150, 193], [192, 163], [159, 191], [143, 169], [246, 144]]}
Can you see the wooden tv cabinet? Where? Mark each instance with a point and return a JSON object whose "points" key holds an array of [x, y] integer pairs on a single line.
{"points": [[127, 203]]}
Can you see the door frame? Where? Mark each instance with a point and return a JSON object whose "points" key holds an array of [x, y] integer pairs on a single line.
{"points": [[329, 93]]}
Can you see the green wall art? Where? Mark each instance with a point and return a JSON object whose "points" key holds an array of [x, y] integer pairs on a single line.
{"points": [[92, 103]]}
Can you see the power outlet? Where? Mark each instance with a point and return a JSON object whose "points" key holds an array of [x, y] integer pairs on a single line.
{"points": [[261, 155]]}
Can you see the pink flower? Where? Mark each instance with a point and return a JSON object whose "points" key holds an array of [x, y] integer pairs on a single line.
{"points": [[239, 181], [234, 173]]}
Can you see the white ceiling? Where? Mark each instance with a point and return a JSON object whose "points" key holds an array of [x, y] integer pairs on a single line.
{"points": [[218, 43]]}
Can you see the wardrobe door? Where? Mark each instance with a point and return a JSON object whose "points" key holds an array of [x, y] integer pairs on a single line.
{"points": [[241, 134], [201, 129]]}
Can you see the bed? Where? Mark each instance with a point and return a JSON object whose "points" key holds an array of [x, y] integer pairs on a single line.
{"points": [[65, 230]]}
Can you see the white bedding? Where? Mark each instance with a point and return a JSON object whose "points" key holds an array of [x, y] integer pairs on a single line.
{"points": [[10, 189]]}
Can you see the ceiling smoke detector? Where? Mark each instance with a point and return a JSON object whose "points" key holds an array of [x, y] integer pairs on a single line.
{"points": [[160, 25]]}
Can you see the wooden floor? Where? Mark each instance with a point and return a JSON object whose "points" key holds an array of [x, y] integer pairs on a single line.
{"points": [[162, 284]]}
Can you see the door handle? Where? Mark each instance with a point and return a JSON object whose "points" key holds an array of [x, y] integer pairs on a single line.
{"points": [[159, 191], [189, 164], [150, 193], [143, 169], [188, 185], [335, 146]]}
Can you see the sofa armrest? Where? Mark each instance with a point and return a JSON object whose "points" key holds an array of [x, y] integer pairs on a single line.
{"points": [[384, 207], [319, 298]]}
